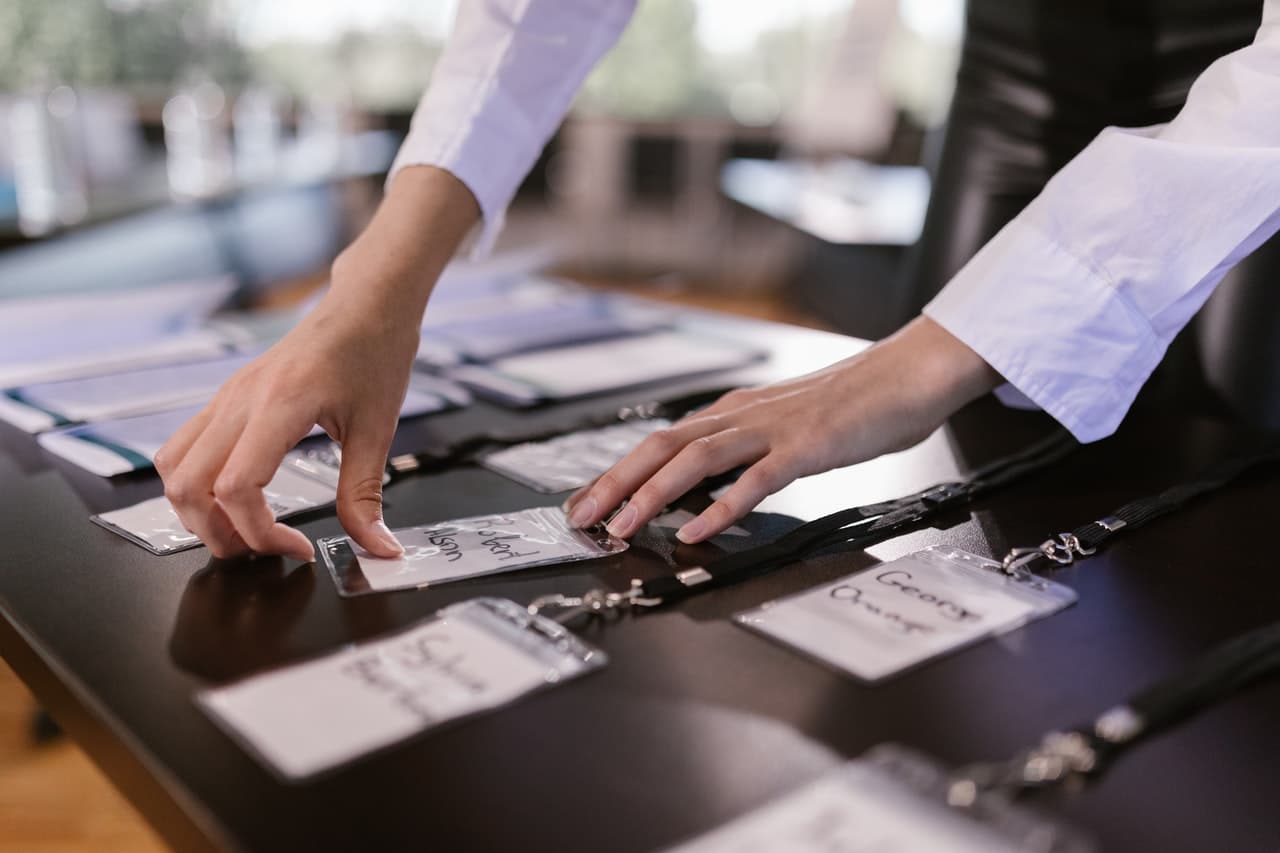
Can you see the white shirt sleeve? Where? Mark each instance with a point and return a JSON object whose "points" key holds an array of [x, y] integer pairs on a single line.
{"points": [[1076, 300], [506, 78]]}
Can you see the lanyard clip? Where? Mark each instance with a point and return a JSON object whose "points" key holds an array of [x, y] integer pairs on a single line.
{"points": [[1062, 551], [1061, 758], [596, 602]]}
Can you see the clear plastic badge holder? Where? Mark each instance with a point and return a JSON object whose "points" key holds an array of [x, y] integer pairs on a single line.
{"points": [[306, 480], [891, 800], [466, 548], [471, 657], [889, 618], [570, 461]]}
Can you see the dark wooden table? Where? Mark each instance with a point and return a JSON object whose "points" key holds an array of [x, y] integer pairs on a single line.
{"points": [[695, 720]]}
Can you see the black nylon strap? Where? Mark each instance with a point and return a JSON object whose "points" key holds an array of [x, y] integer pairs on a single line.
{"points": [[1089, 750], [861, 526], [1208, 680], [1085, 539]]}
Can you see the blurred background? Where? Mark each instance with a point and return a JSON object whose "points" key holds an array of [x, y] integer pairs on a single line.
{"points": [[766, 158], [741, 149]]}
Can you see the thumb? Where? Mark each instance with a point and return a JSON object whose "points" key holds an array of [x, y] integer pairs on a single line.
{"points": [[364, 459]]}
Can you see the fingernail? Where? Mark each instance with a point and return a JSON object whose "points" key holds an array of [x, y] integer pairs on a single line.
{"points": [[388, 539], [583, 512], [692, 531], [623, 522]]}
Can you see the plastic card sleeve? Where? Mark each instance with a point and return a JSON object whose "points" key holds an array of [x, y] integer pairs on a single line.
{"points": [[306, 480], [466, 548], [889, 801], [470, 657], [886, 619], [573, 460]]}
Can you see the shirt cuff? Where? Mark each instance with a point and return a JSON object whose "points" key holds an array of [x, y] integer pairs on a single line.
{"points": [[1058, 331], [477, 151]]}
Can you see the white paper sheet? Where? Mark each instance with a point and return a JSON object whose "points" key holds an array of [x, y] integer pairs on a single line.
{"points": [[593, 368], [40, 329]]}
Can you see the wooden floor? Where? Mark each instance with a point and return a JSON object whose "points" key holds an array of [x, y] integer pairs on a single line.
{"points": [[52, 797]]}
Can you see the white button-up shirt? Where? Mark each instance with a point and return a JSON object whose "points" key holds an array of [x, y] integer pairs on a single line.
{"points": [[1074, 302]]}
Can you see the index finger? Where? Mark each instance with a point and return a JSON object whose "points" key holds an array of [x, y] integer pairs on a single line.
{"points": [[616, 484], [239, 487]]}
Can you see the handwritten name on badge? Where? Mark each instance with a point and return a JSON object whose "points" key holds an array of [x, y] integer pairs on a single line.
{"points": [[900, 580], [312, 716], [883, 620], [464, 548]]}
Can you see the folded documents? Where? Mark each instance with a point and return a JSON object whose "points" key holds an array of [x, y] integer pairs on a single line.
{"points": [[196, 345], [40, 329], [593, 368], [36, 408], [575, 318], [120, 446]]}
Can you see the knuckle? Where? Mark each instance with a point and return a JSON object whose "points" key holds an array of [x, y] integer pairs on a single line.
{"points": [[702, 450], [163, 461], [365, 489], [647, 499], [179, 491], [766, 476], [664, 441], [608, 484], [232, 487]]}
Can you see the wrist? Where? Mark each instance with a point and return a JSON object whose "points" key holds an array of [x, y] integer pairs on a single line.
{"points": [[394, 263], [940, 370]]}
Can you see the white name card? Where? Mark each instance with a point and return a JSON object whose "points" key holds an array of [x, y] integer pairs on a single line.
{"points": [[470, 657], [878, 622]]}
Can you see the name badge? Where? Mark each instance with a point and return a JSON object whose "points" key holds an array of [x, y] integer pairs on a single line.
{"points": [[881, 621], [466, 548], [570, 461], [305, 480], [470, 657], [891, 801]]}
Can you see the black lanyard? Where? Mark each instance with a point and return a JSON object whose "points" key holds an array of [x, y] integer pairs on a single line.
{"points": [[468, 449], [1085, 540], [1088, 750], [860, 526]]}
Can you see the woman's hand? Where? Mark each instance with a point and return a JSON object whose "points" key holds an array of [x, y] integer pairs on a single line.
{"points": [[887, 398], [345, 367]]}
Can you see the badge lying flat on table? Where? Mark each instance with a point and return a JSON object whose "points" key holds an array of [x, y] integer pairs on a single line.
{"points": [[881, 621], [306, 480], [470, 657], [573, 460], [890, 801], [466, 548]]}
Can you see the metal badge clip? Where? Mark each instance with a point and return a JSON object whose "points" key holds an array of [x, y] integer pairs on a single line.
{"points": [[1062, 551], [1061, 758], [596, 602]]}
